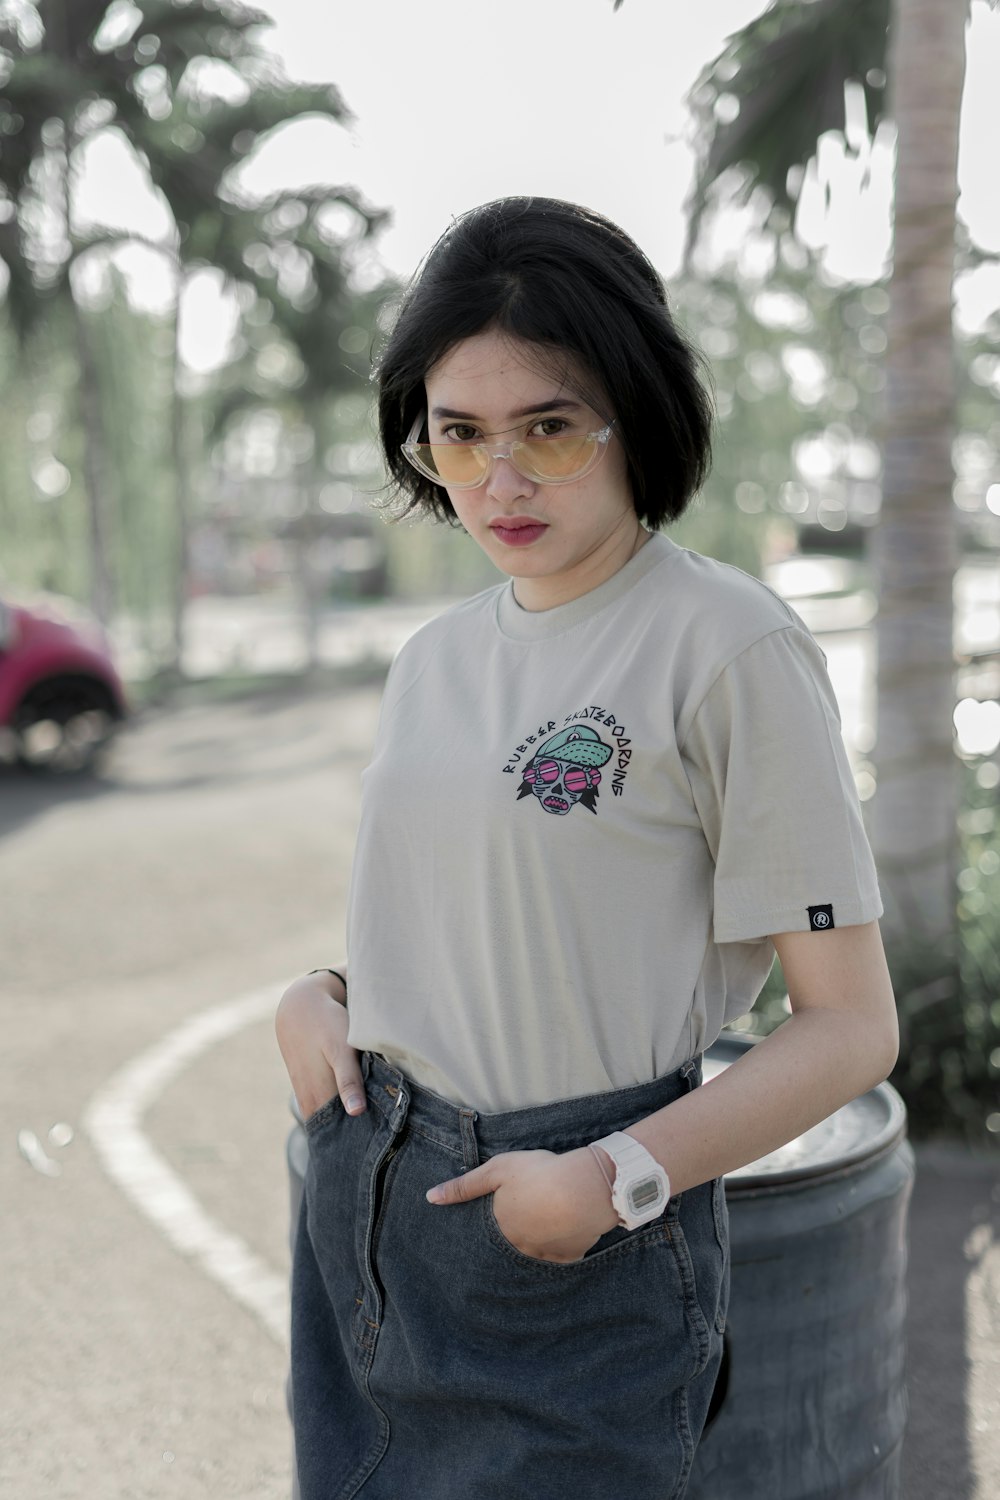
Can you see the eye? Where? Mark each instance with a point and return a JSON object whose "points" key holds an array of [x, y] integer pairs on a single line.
{"points": [[461, 432], [549, 427]]}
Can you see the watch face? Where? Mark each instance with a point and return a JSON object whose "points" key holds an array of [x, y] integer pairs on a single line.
{"points": [[642, 1195]]}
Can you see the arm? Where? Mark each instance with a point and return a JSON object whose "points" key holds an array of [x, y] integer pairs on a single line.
{"points": [[840, 1040], [311, 1027]]}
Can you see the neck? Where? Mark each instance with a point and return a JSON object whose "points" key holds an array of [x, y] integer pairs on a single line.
{"points": [[603, 563]]}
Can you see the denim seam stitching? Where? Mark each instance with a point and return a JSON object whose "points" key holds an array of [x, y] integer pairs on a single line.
{"points": [[322, 1115], [689, 1287], [436, 1140]]}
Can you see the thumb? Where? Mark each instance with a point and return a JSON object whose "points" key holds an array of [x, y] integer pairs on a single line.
{"points": [[474, 1184], [350, 1084]]}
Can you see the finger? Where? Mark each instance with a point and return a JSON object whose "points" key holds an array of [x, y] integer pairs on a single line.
{"points": [[350, 1084], [474, 1184], [313, 1080]]}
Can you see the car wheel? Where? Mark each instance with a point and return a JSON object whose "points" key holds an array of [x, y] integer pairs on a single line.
{"points": [[63, 724]]}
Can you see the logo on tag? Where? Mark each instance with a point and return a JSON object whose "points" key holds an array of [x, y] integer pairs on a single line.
{"points": [[820, 917]]}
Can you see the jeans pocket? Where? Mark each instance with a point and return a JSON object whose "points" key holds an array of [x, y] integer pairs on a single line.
{"points": [[322, 1116], [611, 1246], [720, 1214], [700, 1240]]}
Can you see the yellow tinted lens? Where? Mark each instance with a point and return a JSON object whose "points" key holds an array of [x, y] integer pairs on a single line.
{"points": [[456, 463], [556, 457]]}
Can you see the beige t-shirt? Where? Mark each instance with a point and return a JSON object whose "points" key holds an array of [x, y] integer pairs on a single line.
{"points": [[580, 825]]}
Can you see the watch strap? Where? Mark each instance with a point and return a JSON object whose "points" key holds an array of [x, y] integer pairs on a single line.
{"points": [[632, 1163], [627, 1153]]}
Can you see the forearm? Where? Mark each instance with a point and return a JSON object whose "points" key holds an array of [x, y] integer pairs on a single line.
{"points": [[814, 1063]]}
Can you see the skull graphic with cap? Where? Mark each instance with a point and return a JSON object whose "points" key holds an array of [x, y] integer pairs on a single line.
{"points": [[566, 770]]}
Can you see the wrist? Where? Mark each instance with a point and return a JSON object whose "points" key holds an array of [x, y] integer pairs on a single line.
{"points": [[590, 1188], [641, 1187]]}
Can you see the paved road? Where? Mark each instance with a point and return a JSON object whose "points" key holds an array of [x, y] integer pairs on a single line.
{"points": [[208, 863], [209, 860]]}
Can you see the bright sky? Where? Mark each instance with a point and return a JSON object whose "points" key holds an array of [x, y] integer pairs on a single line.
{"points": [[455, 103]]}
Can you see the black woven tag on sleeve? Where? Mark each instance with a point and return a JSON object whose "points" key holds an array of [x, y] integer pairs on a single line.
{"points": [[820, 918]]}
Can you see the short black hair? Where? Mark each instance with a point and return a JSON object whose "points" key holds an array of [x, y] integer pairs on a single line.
{"points": [[567, 279]]}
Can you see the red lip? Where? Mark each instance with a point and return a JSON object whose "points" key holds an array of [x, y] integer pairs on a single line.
{"points": [[517, 531]]}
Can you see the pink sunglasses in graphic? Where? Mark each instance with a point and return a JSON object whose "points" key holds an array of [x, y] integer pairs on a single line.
{"points": [[576, 779]]}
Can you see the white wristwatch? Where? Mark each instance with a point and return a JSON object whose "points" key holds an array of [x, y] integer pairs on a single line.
{"points": [[641, 1188]]}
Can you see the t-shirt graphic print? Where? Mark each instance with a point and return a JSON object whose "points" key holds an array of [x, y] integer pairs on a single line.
{"points": [[566, 771]]}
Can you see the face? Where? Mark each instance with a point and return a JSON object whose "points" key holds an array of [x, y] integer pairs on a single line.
{"points": [[556, 540], [559, 784]]}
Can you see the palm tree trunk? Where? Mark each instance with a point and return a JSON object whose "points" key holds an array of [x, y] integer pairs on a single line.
{"points": [[95, 471], [182, 496], [96, 474], [914, 815]]}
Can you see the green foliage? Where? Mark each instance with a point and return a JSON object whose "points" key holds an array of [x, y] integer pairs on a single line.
{"points": [[43, 508], [144, 76], [949, 1067], [430, 558], [977, 447], [133, 352], [777, 86], [797, 373], [191, 90], [43, 520]]}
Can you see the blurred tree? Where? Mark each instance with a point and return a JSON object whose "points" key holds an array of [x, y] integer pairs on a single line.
{"points": [[761, 107], [302, 366], [44, 541], [190, 90], [773, 342], [133, 360]]}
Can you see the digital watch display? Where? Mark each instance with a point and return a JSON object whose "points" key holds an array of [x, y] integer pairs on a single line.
{"points": [[641, 1187]]}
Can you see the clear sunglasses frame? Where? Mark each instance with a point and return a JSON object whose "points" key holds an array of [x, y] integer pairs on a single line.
{"points": [[510, 451]]}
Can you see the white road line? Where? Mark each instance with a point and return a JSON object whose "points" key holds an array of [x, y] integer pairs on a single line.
{"points": [[113, 1121]]}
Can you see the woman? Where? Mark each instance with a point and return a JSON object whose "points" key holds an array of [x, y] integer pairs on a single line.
{"points": [[602, 795]]}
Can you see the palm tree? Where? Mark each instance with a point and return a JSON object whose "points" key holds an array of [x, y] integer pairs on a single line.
{"points": [[325, 317], [761, 106], [73, 68]]}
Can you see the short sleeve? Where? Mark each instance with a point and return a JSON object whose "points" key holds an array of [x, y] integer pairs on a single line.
{"points": [[776, 796]]}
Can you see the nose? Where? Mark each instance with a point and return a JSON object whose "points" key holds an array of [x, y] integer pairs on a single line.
{"points": [[505, 483]]}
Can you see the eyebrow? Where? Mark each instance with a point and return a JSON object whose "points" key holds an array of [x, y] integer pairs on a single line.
{"points": [[558, 403]]}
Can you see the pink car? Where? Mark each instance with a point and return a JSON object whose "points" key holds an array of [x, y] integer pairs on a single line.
{"points": [[61, 697]]}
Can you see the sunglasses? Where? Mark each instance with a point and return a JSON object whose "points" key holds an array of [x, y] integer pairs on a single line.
{"points": [[575, 779], [545, 460]]}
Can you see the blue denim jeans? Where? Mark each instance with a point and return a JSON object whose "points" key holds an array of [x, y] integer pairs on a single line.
{"points": [[431, 1358]]}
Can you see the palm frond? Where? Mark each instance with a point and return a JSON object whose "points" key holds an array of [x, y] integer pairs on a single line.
{"points": [[777, 86], [70, 25]]}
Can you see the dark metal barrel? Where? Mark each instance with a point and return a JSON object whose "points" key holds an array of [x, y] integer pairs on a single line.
{"points": [[814, 1405]]}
